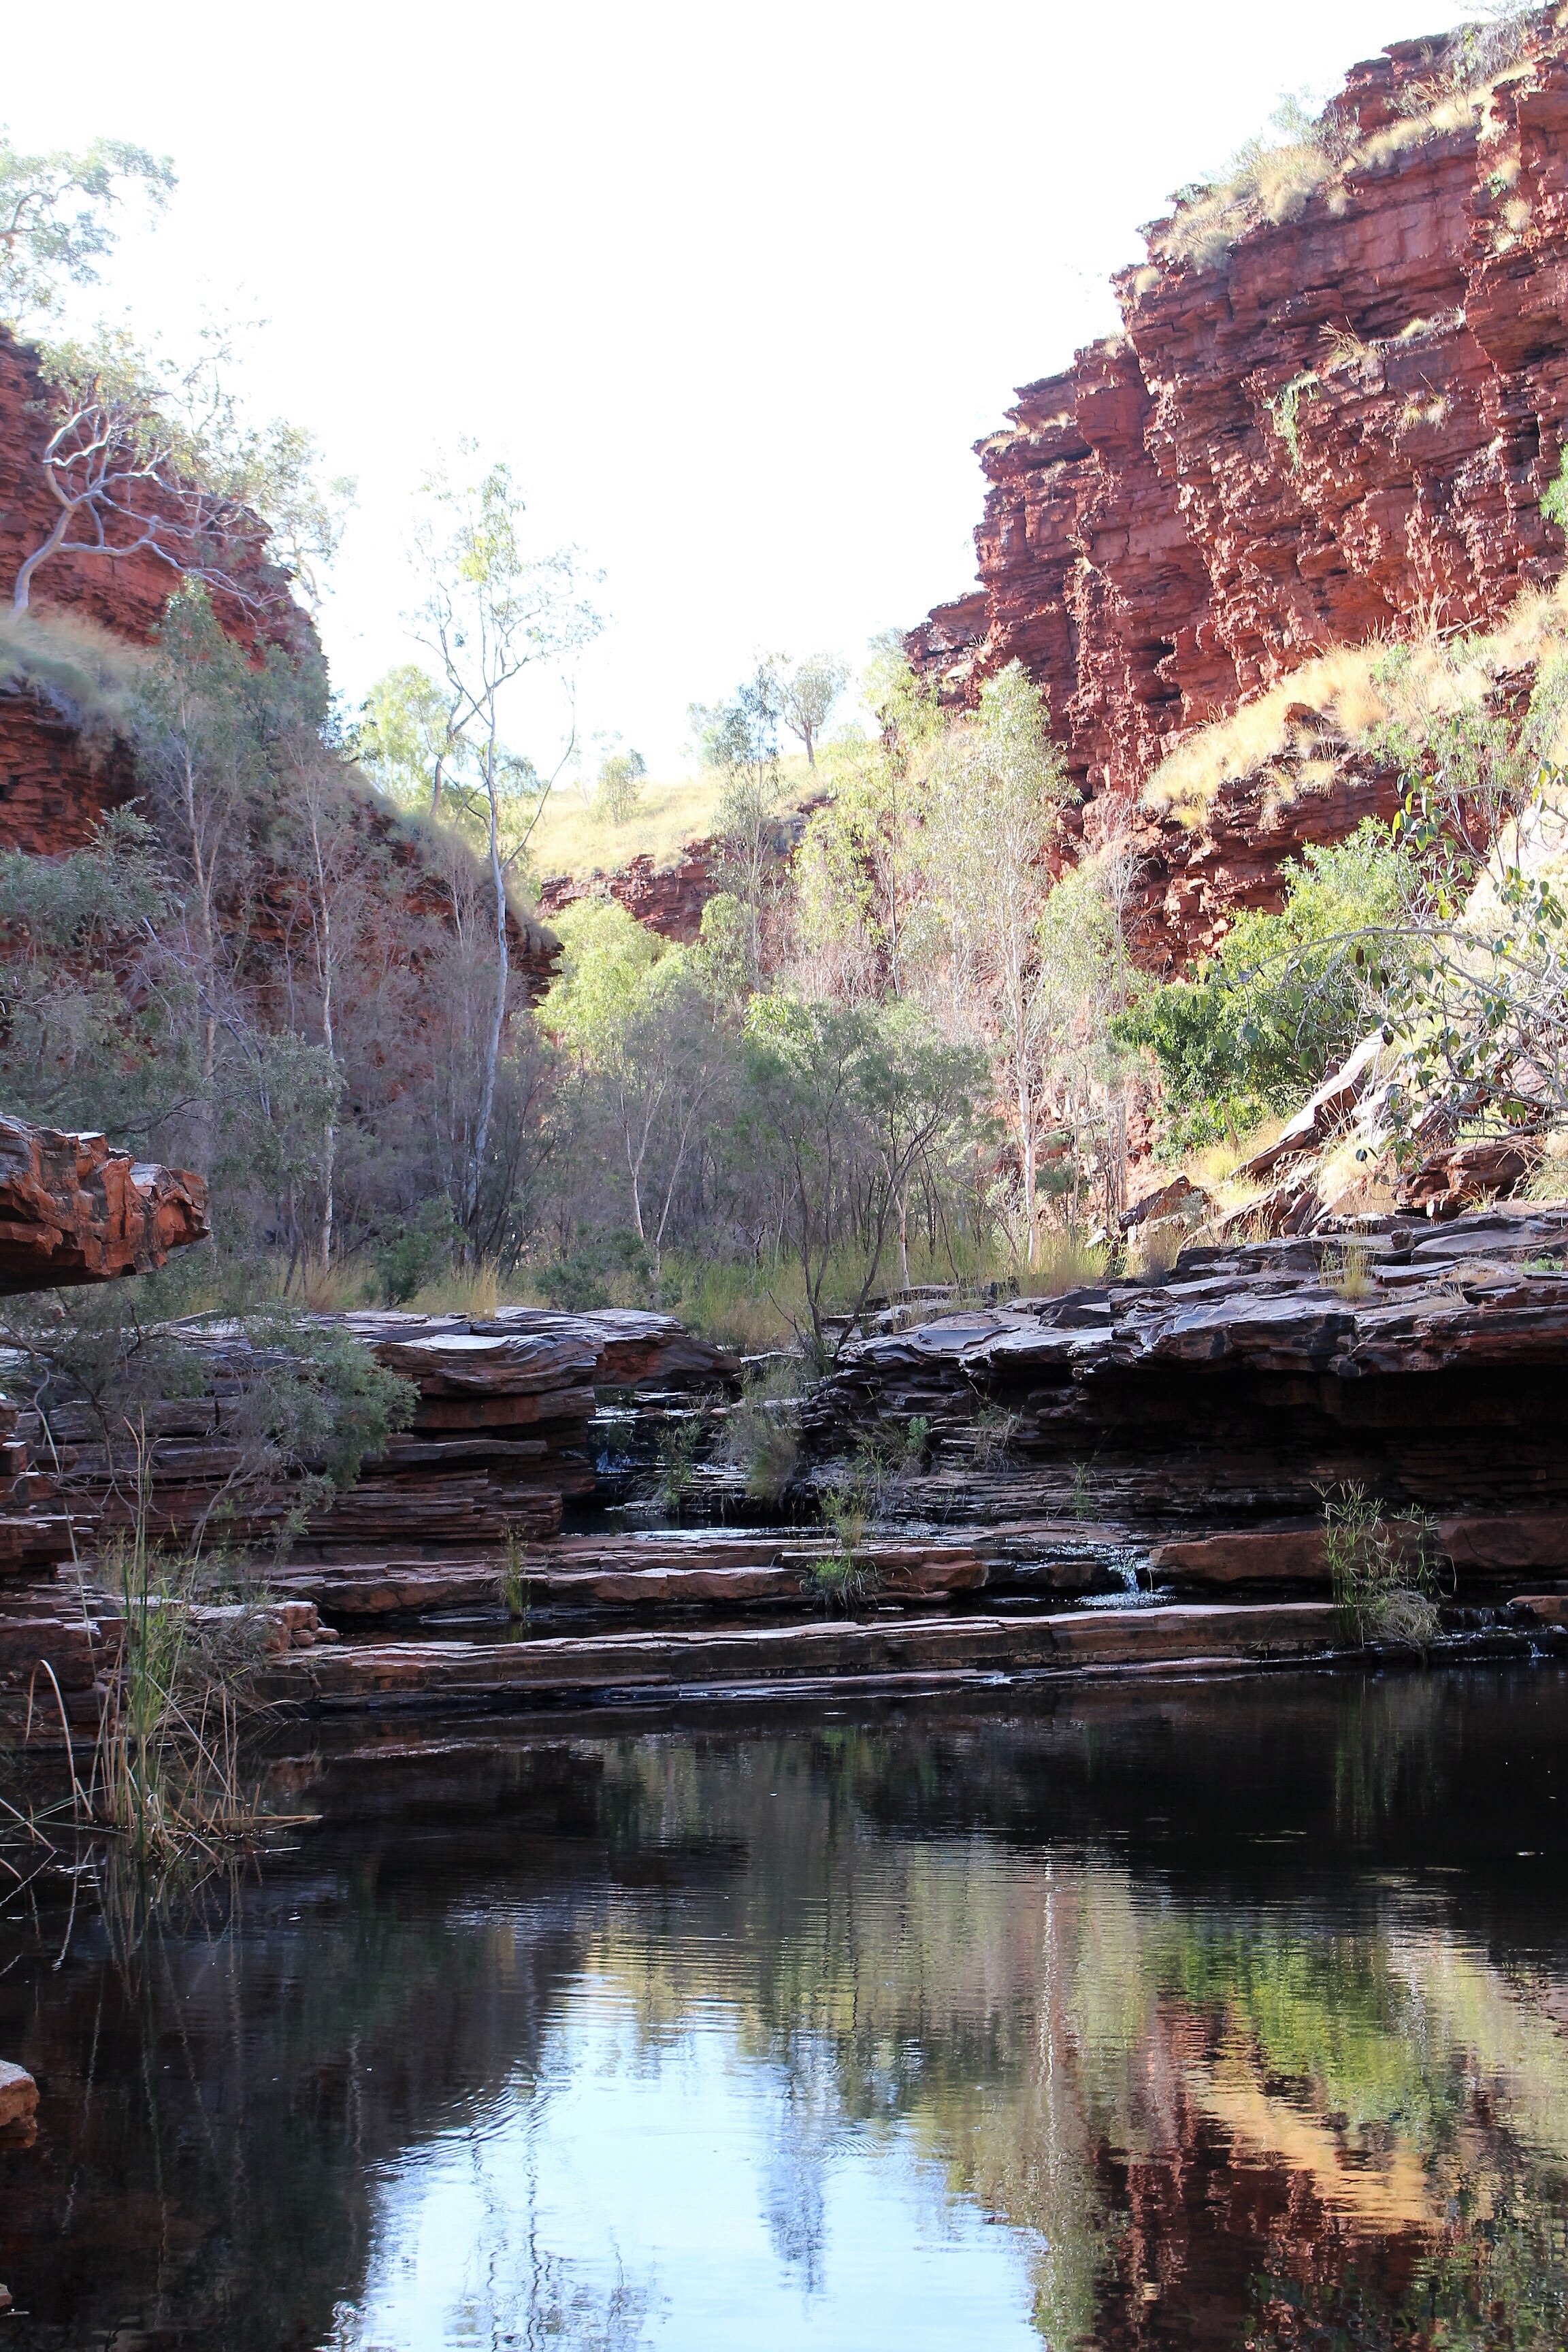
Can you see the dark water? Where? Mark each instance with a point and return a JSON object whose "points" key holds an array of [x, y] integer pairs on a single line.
{"points": [[1227, 2014]]}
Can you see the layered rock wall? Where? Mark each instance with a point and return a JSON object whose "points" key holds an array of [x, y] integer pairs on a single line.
{"points": [[1313, 428]]}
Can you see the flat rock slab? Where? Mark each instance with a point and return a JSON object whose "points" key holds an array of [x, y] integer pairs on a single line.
{"points": [[18, 2097], [1478, 1544], [431, 1672]]}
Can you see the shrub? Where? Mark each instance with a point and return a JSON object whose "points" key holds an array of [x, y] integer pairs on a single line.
{"points": [[581, 1280], [410, 1253], [760, 1439], [1287, 996]]}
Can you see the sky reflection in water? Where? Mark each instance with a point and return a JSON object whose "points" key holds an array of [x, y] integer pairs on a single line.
{"points": [[1212, 2015]]}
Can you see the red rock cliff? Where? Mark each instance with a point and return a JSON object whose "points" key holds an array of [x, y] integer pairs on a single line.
{"points": [[1332, 422], [56, 780]]}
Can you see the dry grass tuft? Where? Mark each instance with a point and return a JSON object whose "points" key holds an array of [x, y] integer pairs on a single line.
{"points": [[1273, 183], [572, 839], [1355, 691]]}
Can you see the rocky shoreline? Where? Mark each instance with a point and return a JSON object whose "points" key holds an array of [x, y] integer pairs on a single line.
{"points": [[1128, 1478]]}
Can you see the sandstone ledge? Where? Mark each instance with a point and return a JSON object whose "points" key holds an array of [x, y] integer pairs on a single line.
{"points": [[436, 1674]]}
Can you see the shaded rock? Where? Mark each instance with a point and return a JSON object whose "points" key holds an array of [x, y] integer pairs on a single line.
{"points": [[797, 1657]]}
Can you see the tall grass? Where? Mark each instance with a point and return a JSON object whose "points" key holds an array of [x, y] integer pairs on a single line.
{"points": [[167, 1768], [1380, 1569]]}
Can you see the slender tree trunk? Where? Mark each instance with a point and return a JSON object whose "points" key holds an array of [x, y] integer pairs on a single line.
{"points": [[497, 1008], [1027, 1160], [324, 972], [206, 1115], [23, 590]]}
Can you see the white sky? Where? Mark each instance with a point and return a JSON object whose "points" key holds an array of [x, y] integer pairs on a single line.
{"points": [[735, 289]]}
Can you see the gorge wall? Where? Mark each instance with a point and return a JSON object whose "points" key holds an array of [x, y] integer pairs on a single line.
{"points": [[1335, 403], [58, 774], [65, 759]]}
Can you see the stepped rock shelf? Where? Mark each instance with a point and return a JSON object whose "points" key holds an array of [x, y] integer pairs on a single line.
{"points": [[1127, 1478]]}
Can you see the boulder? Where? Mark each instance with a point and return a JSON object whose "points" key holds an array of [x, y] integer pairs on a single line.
{"points": [[73, 1210], [18, 2097]]}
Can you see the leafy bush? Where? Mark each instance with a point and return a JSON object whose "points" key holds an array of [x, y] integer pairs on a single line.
{"points": [[1287, 996], [1554, 505], [760, 1438], [418, 1247]]}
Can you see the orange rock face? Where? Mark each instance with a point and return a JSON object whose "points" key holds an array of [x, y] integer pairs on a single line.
{"points": [[72, 1210], [670, 902], [1340, 425]]}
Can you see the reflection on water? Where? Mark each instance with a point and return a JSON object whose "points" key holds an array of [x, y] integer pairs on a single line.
{"points": [[1226, 2015]]}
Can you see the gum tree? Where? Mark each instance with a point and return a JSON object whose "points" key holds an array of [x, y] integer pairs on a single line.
{"points": [[491, 611]]}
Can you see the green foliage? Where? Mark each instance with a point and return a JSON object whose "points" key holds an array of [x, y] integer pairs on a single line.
{"points": [[1287, 996], [850, 1101], [762, 1439], [1286, 410], [415, 1250], [1555, 504], [78, 1046], [680, 1446], [406, 741], [306, 1403], [514, 1586], [992, 1432], [55, 208], [581, 1278], [842, 1579], [607, 962], [322, 1403], [806, 693]]}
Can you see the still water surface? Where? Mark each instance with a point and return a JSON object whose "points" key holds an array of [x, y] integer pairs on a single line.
{"points": [[1230, 2015]]}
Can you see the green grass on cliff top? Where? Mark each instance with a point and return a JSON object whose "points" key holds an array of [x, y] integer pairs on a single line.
{"points": [[571, 840]]}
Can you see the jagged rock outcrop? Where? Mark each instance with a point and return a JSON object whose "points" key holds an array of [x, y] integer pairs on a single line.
{"points": [[1314, 427], [73, 1210]]}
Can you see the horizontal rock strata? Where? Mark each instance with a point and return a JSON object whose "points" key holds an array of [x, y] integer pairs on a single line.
{"points": [[498, 1441], [1228, 1397], [608, 1665]]}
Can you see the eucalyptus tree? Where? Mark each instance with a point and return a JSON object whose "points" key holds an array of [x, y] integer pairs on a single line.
{"points": [[740, 738], [996, 808], [406, 739], [149, 457], [641, 1018], [492, 610], [808, 692], [842, 1105]]}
